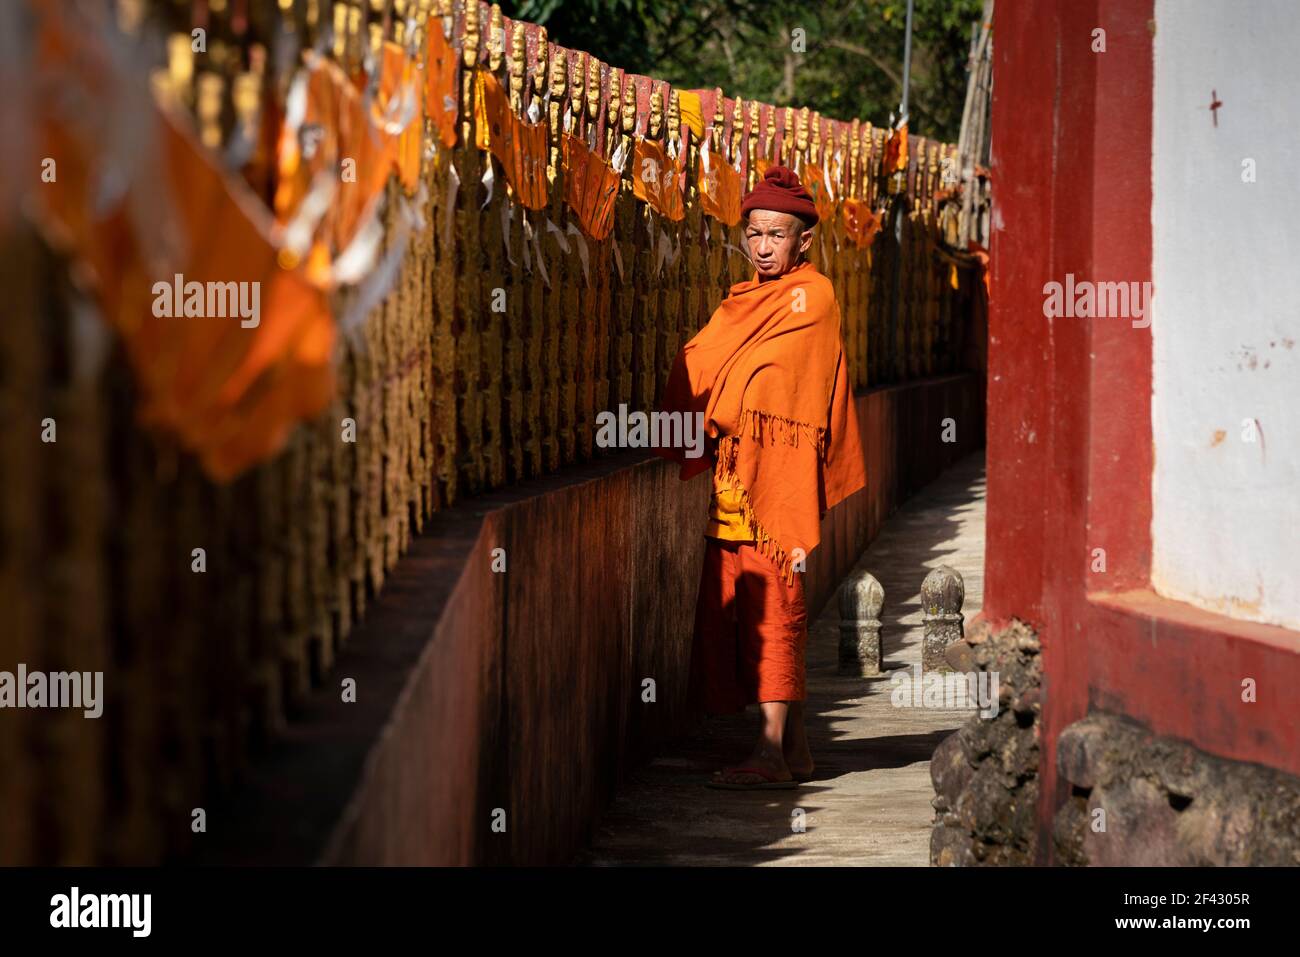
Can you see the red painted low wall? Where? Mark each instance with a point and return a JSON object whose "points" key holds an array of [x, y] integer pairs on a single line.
{"points": [[514, 698]]}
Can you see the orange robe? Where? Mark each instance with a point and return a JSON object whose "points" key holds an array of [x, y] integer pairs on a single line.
{"points": [[769, 375]]}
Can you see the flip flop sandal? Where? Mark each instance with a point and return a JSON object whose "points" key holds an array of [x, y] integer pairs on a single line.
{"points": [[801, 778], [769, 782]]}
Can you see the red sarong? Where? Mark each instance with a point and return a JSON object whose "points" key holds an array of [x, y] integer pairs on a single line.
{"points": [[751, 631]]}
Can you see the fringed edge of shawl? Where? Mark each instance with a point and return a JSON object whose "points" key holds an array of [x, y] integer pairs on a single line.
{"points": [[762, 425], [765, 425]]}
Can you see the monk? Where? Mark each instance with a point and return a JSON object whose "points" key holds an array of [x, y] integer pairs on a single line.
{"points": [[769, 375]]}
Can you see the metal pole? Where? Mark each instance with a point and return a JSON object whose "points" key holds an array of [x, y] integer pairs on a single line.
{"points": [[907, 57], [900, 361]]}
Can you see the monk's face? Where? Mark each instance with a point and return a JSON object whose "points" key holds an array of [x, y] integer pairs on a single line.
{"points": [[776, 241]]}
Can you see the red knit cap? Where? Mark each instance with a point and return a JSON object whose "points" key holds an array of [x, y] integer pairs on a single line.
{"points": [[781, 192]]}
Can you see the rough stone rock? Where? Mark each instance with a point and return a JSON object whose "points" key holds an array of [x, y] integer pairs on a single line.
{"points": [[1075, 755], [1139, 827], [960, 657], [979, 634], [1180, 772], [1167, 803], [950, 847], [949, 770], [986, 772], [1028, 644], [1029, 703], [1019, 756], [1214, 835], [1068, 828]]}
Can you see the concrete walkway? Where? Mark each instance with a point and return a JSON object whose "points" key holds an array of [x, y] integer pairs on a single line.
{"points": [[869, 801]]}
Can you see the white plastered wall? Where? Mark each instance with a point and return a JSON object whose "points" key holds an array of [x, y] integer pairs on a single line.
{"points": [[1226, 307]]}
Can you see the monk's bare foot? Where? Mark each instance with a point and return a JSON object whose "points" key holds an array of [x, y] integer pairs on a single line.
{"points": [[798, 758], [800, 763]]}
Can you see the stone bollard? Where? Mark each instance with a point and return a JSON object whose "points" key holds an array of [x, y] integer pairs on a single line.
{"points": [[942, 594], [861, 599]]}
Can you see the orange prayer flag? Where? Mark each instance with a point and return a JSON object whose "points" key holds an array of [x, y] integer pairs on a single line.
{"points": [[590, 187], [400, 103], [657, 179], [307, 143], [217, 368], [64, 207], [521, 147], [345, 140], [813, 178], [860, 223], [367, 155], [440, 101], [228, 350], [894, 159], [719, 191]]}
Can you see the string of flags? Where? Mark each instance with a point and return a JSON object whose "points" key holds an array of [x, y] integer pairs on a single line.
{"points": [[309, 219]]}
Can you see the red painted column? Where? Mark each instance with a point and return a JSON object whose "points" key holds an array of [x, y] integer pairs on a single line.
{"points": [[1072, 166], [1076, 191], [1025, 75], [1120, 442]]}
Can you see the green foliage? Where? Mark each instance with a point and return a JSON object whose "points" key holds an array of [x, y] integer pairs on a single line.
{"points": [[851, 65]]}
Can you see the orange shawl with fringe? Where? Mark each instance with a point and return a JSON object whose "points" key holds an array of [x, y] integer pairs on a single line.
{"points": [[770, 376]]}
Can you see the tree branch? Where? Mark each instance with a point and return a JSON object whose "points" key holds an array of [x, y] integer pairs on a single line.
{"points": [[916, 106], [882, 65]]}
